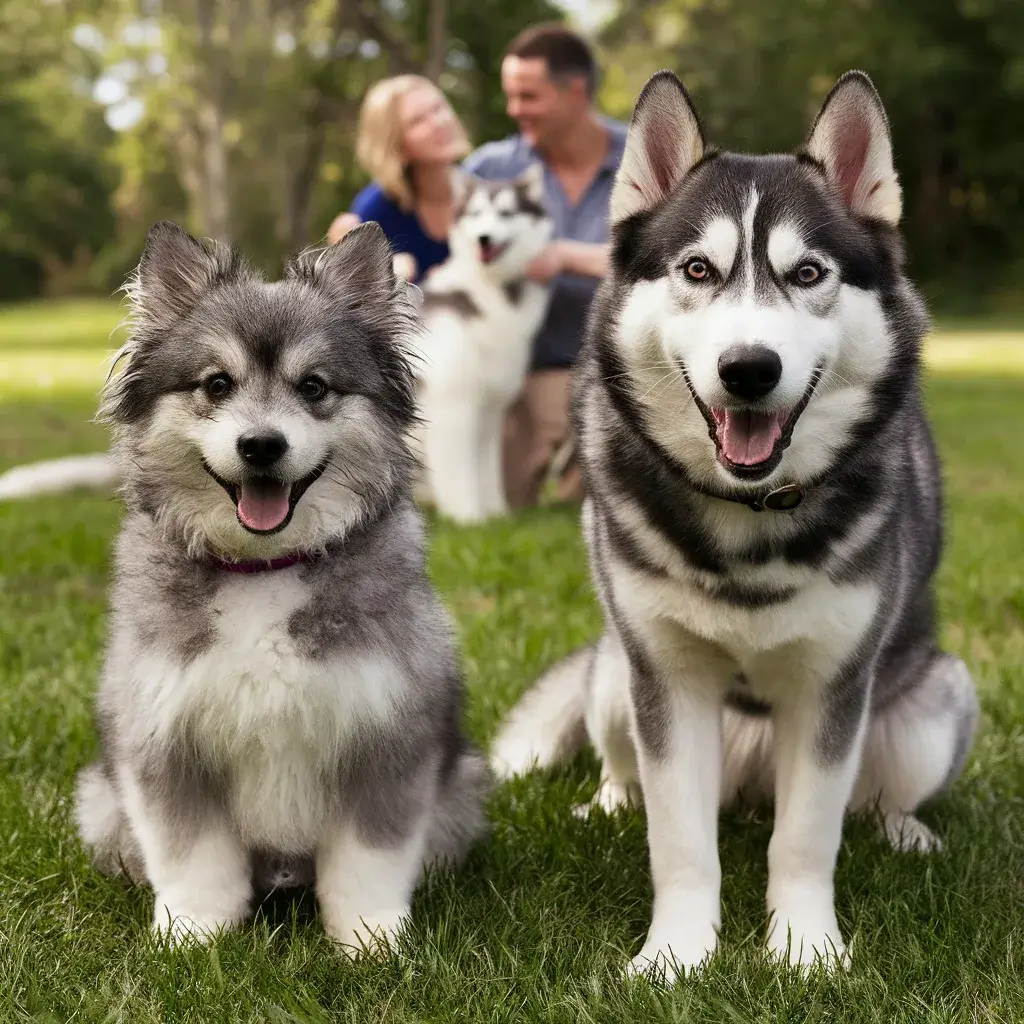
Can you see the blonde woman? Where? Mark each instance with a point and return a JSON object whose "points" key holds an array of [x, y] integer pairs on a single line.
{"points": [[409, 138]]}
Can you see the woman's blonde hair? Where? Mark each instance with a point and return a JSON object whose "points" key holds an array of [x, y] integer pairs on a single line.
{"points": [[379, 141]]}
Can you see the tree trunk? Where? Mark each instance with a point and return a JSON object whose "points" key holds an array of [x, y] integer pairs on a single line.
{"points": [[437, 47]]}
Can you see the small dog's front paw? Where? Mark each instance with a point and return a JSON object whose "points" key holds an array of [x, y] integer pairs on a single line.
{"points": [[371, 935], [674, 953], [180, 929], [805, 940]]}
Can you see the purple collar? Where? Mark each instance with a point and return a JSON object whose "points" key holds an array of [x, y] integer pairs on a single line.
{"points": [[264, 565]]}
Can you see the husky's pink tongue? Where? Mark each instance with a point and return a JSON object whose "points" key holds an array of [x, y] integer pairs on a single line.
{"points": [[263, 504], [748, 438]]}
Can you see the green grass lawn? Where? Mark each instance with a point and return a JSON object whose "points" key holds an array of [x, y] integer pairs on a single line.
{"points": [[537, 925]]}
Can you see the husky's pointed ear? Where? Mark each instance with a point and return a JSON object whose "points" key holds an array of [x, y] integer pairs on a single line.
{"points": [[461, 185], [358, 270], [175, 270], [665, 140], [850, 139], [531, 182]]}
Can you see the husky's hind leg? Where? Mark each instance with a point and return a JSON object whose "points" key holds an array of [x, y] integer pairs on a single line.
{"points": [[916, 747], [608, 725]]}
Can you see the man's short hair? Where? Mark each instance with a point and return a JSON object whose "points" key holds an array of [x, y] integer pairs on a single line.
{"points": [[566, 53]]}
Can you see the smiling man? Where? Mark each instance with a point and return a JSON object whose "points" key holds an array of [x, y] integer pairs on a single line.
{"points": [[549, 77]]}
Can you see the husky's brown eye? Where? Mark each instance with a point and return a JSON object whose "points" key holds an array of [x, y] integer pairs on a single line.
{"points": [[698, 270], [312, 389], [809, 273], [218, 386]]}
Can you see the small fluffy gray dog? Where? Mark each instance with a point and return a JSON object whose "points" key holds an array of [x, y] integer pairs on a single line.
{"points": [[281, 696]]}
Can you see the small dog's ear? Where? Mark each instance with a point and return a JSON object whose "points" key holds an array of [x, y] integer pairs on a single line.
{"points": [[850, 140], [175, 271], [357, 271], [664, 143]]}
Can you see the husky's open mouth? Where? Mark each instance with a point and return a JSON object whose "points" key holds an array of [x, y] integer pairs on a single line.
{"points": [[490, 251], [265, 505], [750, 443]]}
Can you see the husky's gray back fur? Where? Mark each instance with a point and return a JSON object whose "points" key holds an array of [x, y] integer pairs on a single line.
{"points": [[340, 674]]}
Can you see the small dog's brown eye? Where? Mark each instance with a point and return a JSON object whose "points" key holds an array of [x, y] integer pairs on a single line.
{"points": [[312, 389], [808, 273], [218, 386], [697, 270]]}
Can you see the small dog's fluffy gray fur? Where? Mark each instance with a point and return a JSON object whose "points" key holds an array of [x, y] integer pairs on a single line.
{"points": [[296, 724]]}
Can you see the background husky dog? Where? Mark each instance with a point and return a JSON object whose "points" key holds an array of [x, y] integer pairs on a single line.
{"points": [[281, 694], [481, 316], [763, 519]]}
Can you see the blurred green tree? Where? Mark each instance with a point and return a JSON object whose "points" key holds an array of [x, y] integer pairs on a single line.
{"points": [[55, 180]]}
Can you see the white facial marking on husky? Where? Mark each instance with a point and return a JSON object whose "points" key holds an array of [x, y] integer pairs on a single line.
{"points": [[719, 243], [786, 248], [747, 229]]}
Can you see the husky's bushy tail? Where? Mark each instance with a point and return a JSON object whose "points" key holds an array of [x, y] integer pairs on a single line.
{"points": [[547, 725], [54, 476]]}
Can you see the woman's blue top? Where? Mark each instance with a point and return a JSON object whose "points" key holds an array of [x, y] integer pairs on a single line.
{"points": [[403, 229]]}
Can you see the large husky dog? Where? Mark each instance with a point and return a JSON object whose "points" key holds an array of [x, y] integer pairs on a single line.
{"points": [[763, 519], [481, 315], [281, 694]]}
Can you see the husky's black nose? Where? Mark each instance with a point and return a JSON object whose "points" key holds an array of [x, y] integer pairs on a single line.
{"points": [[749, 371], [262, 450]]}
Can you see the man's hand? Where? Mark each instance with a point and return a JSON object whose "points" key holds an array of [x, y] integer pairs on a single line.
{"points": [[586, 259], [548, 265]]}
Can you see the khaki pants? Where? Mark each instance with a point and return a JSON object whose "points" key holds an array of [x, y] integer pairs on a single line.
{"points": [[536, 426]]}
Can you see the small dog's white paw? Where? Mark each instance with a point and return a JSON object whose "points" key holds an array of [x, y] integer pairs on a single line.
{"points": [[181, 929], [674, 953], [805, 940], [373, 935], [908, 835]]}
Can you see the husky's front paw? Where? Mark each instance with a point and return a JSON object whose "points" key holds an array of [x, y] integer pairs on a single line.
{"points": [[671, 953], [372, 935], [807, 935]]}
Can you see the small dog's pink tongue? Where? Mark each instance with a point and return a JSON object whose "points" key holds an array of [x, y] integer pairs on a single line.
{"points": [[746, 437], [263, 504]]}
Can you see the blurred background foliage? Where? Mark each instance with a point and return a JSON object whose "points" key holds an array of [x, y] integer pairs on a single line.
{"points": [[237, 117]]}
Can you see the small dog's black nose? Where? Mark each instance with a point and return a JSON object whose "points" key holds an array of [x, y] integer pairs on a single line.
{"points": [[749, 371], [485, 240], [262, 450]]}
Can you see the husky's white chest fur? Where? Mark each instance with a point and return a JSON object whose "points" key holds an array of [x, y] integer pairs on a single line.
{"points": [[477, 347], [273, 720]]}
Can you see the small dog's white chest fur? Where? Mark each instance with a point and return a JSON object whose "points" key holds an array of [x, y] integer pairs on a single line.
{"points": [[272, 720]]}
